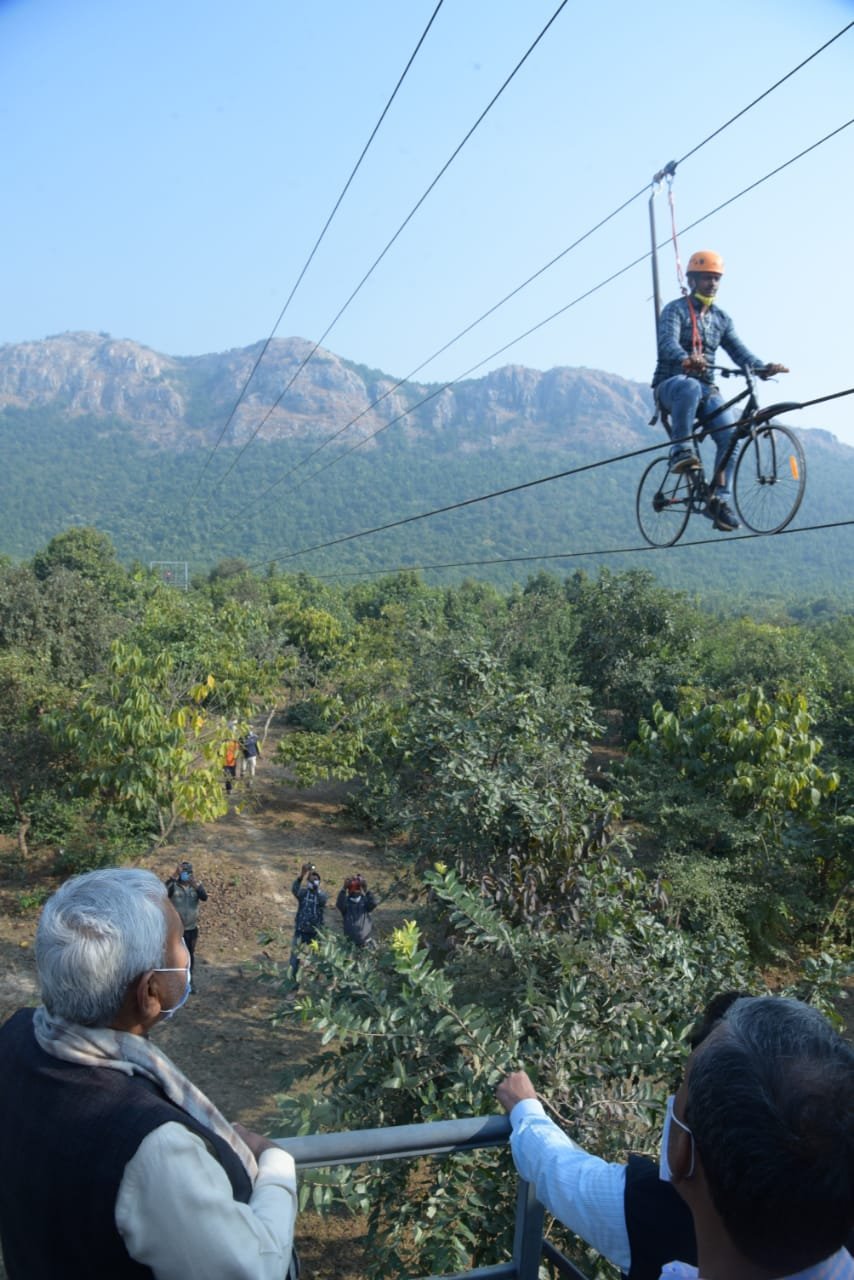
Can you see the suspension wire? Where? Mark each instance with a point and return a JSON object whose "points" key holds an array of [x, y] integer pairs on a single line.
{"points": [[575, 555], [527, 333], [513, 293], [498, 493], [755, 101], [316, 246], [450, 343], [393, 239], [444, 387]]}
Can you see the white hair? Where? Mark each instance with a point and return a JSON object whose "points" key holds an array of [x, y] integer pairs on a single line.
{"points": [[98, 933]]}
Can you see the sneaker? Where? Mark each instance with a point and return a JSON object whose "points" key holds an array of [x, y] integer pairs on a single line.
{"points": [[722, 515], [683, 460]]}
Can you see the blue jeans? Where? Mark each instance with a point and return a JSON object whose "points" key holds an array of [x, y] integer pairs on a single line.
{"points": [[682, 397]]}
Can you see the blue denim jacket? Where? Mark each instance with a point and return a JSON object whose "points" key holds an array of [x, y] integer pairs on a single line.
{"points": [[716, 330]]}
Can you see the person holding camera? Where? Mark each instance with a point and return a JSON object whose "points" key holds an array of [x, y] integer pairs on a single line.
{"points": [[185, 893], [356, 902], [311, 904]]}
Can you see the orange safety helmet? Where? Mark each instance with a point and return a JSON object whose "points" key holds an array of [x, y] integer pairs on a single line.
{"points": [[705, 260]]}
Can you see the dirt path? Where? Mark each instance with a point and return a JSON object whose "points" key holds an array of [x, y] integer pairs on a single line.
{"points": [[224, 1039], [247, 862]]}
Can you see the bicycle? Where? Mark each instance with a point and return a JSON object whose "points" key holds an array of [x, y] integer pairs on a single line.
{"points": [[769, 481]]}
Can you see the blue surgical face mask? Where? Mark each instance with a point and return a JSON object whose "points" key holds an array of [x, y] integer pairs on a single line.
{"points": [[665, 1173], [170, 1013], [184, 877]]}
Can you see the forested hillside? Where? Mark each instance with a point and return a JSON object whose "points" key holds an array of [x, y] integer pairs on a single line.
{"points": [[108, 434], [53, 479], [604, 804]]}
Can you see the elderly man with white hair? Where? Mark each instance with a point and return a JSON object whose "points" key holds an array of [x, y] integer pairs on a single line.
{"points": [[115, 1163]]}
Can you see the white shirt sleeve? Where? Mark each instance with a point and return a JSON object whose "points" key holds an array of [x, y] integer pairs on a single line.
{"points": [[177, 1214], [582, 1191]]}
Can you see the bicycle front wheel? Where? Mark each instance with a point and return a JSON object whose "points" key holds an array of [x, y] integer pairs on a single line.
{"points": [[770, 478], [663, 504]]}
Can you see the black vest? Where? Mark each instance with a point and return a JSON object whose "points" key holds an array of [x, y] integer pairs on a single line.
{"points": [[658, 1221], [68, 1132]]}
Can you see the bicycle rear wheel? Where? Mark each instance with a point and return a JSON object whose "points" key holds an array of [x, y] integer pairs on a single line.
{"points": [[770, 478], [663, 504]]}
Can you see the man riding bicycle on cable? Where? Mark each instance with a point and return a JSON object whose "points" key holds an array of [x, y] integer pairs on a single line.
{"points": [[690, 330]]}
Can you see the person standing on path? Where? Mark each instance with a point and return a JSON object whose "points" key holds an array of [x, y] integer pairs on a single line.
{"points": [[311, 901], [185, 894], [356, 902], [251, 752], [229, 763]]}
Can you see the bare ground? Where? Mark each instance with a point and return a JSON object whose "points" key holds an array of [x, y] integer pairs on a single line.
{"points": [[223, 1038]]}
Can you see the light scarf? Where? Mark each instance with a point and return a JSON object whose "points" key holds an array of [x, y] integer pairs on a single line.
{"points": [[136, 1056]]}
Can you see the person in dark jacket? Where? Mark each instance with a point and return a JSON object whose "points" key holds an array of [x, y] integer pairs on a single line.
{"points": [[104, 1135], [356, 902], [251, 749], [690, 330], [311, 900], [185, 893]]}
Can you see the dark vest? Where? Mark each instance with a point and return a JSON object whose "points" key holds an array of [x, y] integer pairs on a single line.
{"points": [[658, 1221], [68, 1132]]}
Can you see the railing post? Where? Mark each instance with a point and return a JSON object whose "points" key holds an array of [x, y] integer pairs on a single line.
{"points": [[528, 1236]]}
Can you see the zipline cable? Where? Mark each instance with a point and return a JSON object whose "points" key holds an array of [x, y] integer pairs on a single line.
{"points": [[317, 242], [575, 555], [527, 333], [500, 493], [393, 239], [755, 101], [518, 289], [444, 387]]}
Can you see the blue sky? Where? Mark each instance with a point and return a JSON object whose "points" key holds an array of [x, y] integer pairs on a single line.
{"points": [[169, 165]]}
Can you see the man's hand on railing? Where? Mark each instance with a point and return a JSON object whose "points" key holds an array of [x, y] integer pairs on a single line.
{"points": [[514, 1088]]}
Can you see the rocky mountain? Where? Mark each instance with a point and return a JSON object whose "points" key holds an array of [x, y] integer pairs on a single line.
{"points": [[105, 432], [182, 402]]}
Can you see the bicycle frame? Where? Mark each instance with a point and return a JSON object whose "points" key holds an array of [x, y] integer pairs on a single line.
{"points": [[751, 417], [772, 479]]}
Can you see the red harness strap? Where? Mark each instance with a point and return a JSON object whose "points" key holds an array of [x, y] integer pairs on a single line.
{"points": [[696, 337]]}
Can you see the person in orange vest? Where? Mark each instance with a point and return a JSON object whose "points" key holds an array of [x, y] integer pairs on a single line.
{"points": [[229, 762]]}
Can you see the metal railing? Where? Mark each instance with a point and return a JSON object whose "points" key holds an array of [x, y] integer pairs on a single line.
{"points": [[441, 1138]]}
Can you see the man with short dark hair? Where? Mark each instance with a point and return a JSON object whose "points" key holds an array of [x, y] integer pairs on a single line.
{"points": [[116, 1165], [759, 1143], [629, 1213]]}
